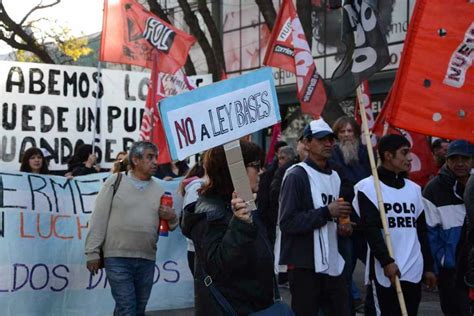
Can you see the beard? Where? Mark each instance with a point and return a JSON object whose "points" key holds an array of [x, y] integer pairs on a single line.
{"points": [[350, 151]]}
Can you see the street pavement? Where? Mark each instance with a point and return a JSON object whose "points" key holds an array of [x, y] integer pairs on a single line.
{"points": [[429, 305]]}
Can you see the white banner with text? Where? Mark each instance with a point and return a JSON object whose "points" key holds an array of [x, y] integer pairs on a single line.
{"points": [[54, 107], [43, 225]]}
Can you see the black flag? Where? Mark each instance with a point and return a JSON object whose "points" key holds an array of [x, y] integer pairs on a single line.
{"points": [[366, 48]]}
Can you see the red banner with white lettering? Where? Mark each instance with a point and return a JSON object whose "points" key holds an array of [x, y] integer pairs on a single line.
{"points": [[161, 86], [130, 34], [433, 92], [422, 166], [289, 50]]}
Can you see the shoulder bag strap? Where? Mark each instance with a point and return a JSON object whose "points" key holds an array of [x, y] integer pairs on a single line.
{"points": [[207, 280], [223, 302], [116, 185], [115, 189]]}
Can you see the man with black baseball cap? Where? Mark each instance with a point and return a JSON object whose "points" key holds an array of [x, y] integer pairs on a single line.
{"points": [[445, 213], [308, 220]]}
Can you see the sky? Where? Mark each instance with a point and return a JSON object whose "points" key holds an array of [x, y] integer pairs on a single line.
{"points": [[83, 17]]}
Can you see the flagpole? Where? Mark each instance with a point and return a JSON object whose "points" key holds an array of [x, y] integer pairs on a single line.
{"points": [[385, 128], [154, 85], [388, 240], [98, 102]]}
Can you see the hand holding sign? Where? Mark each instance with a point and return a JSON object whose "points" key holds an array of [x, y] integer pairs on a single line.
{"points": [[91, 160], [240, 209]]}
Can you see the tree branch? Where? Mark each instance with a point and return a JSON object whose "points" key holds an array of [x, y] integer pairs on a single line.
{"points": [[304, 13], [206, 47], [29, 41], [10, 41], [268, 11], [156, 9], [215, 35], [38, 7]]}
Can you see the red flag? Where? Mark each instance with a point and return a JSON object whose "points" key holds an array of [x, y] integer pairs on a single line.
{"points": [[152, 129], [162, 85], [276, 135], [130, 34], [289, 50], [433, 92], [422, 165]]}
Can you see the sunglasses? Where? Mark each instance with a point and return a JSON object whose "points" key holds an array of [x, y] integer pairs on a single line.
{"points": [[254, 164]]}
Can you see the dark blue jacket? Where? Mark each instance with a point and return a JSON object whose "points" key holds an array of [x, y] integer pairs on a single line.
{"points": [[356, 172], [465, 251], [445, 213], [298, 218]]}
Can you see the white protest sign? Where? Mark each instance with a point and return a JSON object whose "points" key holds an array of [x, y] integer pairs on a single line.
{"points": [[219, 113], [54, 107]]}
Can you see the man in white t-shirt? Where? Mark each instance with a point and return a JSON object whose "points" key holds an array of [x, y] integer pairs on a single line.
{"points": [[406, 223]]}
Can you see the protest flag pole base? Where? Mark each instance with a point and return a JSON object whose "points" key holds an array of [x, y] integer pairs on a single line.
{"points": [[388, 241], [235, 161]]}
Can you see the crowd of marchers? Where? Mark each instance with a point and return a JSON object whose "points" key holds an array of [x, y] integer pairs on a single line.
{"points": [[318, 213]]}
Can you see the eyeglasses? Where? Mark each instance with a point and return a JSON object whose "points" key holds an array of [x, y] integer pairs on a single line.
{"points": [[254, 164]]}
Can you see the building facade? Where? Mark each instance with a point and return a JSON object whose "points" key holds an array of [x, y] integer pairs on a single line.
{"points": [[245, 37]]}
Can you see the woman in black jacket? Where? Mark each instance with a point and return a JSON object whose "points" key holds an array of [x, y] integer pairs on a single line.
{"points": [[230, 240], [83, 162]]}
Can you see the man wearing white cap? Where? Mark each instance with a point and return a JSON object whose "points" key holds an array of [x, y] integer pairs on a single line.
{"points": [[310, 206]]}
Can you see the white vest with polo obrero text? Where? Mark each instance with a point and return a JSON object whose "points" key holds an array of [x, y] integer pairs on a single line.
{"points": [[402, 207]]}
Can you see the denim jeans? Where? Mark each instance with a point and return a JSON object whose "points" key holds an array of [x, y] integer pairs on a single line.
{"points": [[131, 280]]}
